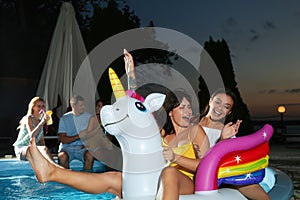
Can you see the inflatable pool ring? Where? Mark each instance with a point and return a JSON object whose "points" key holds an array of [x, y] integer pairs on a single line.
{"points": [[207, 176], [133, 94], [245, 179], [130, 119], [246, 156], [243, 168]]}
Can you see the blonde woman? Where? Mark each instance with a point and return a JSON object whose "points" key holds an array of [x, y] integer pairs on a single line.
{"points": [[31, 126]]}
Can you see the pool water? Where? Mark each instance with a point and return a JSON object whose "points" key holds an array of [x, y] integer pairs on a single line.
{"points": [[17, 181]]}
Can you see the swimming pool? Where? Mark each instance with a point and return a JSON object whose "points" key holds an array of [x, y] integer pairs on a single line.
{"points": [[17, 181]]}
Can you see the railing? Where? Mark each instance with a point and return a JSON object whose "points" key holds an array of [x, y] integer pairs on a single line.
{"points": [[292, 134], [4, 138], [286, 132], [50, 137]]}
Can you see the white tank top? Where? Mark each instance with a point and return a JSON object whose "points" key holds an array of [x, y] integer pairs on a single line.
{"points": [[212, 134]]}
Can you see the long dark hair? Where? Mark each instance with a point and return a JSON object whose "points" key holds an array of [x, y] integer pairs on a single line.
{"points": [[173, 100], [227, 91]]}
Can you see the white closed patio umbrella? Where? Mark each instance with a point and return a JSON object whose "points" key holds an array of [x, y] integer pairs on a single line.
{"points": [[66, 53]]}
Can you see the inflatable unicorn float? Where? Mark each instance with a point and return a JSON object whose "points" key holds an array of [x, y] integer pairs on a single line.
{"points": [[240, 161]]}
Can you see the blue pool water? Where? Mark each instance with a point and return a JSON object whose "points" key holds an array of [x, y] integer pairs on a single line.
{"points": [[17, 181]]}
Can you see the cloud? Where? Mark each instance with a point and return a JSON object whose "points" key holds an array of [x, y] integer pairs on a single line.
{"points": [[292, 104], [275, 91], [253, 31], [293, 91], [254, 35], [229, 25], [268, 25], [268, 91], [231, 21], [254, 38]]}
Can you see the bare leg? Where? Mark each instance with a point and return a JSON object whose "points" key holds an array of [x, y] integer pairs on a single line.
{"points": [[43, 149], [63, 159], [254, 192], [88, 160], [175, 183], [84, 181], [23, 154], [46, 153]]}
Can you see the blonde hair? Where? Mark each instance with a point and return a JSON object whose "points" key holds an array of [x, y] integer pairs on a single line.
{"points": [[32, 103]]}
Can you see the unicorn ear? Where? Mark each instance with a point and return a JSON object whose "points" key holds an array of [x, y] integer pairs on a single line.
{"points": [[155, 101]]}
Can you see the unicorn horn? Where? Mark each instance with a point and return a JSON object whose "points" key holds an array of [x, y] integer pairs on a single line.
{"points": [[116, 84]]}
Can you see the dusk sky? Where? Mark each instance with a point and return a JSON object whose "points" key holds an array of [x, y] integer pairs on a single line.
{"points": [[263, 38]]}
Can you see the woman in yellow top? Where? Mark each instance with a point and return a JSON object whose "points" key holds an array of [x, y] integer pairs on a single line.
{"points": [[184, 146]]}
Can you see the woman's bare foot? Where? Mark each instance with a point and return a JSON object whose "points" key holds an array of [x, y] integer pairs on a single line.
{"points": [[40, 165]]}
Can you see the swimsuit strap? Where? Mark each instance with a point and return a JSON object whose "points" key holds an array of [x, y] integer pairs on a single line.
{"points": [[189, 137], [33, 121]]}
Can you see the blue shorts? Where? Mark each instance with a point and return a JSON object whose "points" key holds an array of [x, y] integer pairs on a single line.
{"points": [[75, 152]]}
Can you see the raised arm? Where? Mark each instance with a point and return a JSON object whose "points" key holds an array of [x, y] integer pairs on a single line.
{"points": [[33, 131], [129, 68]]}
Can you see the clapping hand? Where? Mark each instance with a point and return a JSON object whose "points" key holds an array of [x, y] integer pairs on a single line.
{"points": [[230, 130]]}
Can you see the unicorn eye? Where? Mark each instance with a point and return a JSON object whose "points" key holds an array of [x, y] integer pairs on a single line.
{"points": [[140, 106]]}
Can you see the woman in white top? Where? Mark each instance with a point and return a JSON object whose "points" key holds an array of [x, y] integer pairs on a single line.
{"points": [[220, 110]]}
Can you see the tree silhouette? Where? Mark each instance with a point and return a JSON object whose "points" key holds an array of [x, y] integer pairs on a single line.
{"points": [[220, 53], [108, 21], [26, 30], [28, 27]]}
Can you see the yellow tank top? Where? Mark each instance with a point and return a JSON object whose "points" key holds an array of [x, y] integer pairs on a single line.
{"points": [[186, 150]]}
